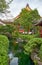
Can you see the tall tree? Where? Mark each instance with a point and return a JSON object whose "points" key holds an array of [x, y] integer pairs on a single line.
{"points": [[4, 5], [26, 18]]}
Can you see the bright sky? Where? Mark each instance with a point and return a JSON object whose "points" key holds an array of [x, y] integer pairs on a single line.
{"points": [[17, 5]]}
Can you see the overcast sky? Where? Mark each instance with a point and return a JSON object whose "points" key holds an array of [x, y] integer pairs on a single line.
{"points": [[17, 5]]}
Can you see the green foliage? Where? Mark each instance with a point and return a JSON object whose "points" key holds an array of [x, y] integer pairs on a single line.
{"points": [[26, 37], [24, 59], [40, 52], [4, 5], [7, 28], [4, 45], [15, 46], [32, 44], [26, 18], [35, 61]]}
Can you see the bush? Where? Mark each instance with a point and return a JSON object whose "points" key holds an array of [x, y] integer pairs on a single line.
{"points": [[32, 44], [27, 37], [4, 44], [40, 52]]}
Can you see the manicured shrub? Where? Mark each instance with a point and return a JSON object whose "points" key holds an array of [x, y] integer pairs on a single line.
{"points": [[40, 52], [4, 44], [32, 44]]}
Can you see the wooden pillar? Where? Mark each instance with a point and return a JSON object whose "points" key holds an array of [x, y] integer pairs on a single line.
{"points": [[40, 31]]}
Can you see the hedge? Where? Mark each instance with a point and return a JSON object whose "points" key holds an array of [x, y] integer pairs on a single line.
{"points": [[32, 44], [40, 52], [4, 44]]}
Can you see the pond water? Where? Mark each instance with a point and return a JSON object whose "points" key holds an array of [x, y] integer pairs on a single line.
{"points": [[15, 60]]}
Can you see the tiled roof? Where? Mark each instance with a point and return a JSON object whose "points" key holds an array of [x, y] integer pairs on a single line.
{"points": [[39, 22], [27, 8], [4, 22], [1, 23]]}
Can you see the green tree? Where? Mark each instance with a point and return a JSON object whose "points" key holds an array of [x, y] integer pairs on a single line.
{"points": [[26, 18], [7, 30], [4, 5]]}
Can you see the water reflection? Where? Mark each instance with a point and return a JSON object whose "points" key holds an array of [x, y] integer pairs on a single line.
{"points": [[14, 61], [25, 59]]}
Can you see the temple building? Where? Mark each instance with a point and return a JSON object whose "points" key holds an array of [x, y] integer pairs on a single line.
{"points": [[6, 22], [2, 23], [39, 23], [28, 7], [21, 29]]}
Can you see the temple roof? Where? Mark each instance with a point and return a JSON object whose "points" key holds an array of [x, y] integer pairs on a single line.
{"points": [[4, 22], [1, 23], [39, 22], [28, 7]]}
